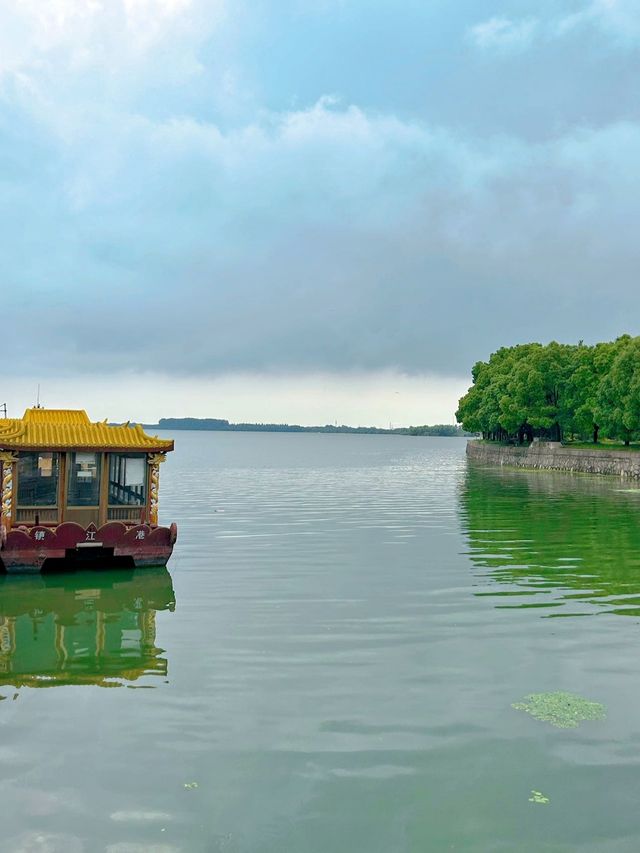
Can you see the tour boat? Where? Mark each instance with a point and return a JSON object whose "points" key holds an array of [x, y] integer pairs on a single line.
{"points": [[78, 494]]}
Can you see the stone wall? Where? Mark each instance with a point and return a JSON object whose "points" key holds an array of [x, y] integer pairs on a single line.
{"points": [[555, 457]]}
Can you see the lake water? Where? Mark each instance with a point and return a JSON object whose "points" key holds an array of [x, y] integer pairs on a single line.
{"points": [[330, 662]]}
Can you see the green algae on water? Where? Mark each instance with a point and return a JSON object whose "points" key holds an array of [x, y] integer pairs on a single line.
{"points": [[538, 797], [563, 710]]}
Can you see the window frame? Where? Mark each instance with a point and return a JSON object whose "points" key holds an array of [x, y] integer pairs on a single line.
{"points": [[114, 459], [70, 463], [56, 457]]}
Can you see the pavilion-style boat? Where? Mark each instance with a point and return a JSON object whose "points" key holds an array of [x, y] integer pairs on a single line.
{"points": [[78, 494]]}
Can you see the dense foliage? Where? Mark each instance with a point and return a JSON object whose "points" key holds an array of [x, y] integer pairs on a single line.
{"points": [[555, 392]]}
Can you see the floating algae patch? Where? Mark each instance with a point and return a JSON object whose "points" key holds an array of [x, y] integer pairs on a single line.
{"points": [[538, 797], [564, 710]]}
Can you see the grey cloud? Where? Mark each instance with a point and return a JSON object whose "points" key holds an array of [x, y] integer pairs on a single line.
{"points": [[486, 247], [327, 238]]}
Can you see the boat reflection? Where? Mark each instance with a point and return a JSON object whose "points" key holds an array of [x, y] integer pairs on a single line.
{"points": [[569, 545], [83, 628]]}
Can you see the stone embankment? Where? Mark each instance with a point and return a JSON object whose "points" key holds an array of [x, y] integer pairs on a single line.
{"points": [[553, 456]]}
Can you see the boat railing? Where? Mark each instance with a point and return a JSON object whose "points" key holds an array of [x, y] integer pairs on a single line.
{"points": [[125, 513], [35, 515]]}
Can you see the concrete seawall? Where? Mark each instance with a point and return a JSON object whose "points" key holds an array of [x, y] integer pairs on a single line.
{"points": [[554, 457]]}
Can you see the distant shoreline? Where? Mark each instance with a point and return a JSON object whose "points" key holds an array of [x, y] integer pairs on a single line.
{"points": [[220, 425]]}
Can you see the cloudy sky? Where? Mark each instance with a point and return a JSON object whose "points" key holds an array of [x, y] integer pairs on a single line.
{"points": [[309, 210]]}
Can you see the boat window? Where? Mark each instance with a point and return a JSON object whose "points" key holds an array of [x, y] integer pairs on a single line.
{"points": [[38, 479], [127, 479], [84, 479]]}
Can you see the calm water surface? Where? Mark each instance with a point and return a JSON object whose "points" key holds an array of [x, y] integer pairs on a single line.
{"points": [[329, 664]]}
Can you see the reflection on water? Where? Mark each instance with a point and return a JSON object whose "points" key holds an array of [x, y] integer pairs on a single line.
{"points": [[84, 628], [570, 543]]}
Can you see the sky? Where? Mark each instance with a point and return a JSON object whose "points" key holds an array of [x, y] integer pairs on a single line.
{"points": [[309, 210]]}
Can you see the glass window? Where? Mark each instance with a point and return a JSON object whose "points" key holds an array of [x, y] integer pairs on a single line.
{"points": [[84, 479], [38, 479], [127, 479]]}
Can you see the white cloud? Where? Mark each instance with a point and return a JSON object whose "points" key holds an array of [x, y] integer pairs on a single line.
{"points": [[618, 20], [503, 34], [38, 36]]}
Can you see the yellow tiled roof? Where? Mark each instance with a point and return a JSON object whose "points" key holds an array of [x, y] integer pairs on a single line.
{"points": [[68, 429]]}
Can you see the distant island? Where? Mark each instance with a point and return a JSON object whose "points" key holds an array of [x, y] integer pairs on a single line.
{"points": [[220, 425]]}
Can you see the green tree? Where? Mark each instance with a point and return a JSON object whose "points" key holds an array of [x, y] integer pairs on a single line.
{"points": [[533, 392], [581, 410], [555, 390], [618, 399], [475, 410]]}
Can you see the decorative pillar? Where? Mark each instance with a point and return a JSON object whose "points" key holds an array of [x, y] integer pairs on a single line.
{"points": [[7, 643], [154, 460], [8, 459], [147, 623]]}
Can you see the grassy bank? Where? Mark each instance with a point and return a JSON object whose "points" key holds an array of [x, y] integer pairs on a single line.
{"points": [[601, 446]]}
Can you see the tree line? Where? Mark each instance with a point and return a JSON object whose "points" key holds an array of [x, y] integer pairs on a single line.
{"points": [[556, 392], [222, 425]]}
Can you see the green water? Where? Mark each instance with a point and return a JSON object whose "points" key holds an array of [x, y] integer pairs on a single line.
{"points": [[331, 660]]}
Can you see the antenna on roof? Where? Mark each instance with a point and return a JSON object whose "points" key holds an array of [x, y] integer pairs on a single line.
{"points": [[38, 406], [3, 406]]}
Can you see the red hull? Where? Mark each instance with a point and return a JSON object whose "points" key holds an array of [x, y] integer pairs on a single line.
{"points": [[69, 545]]}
